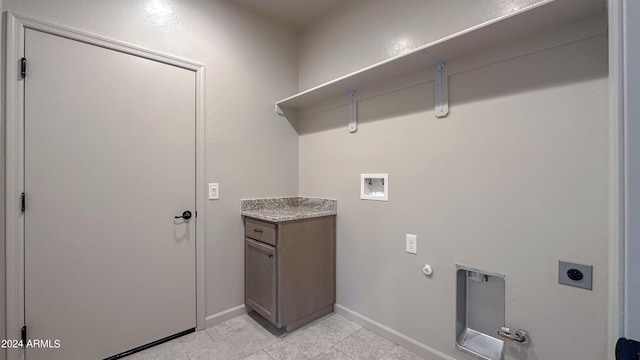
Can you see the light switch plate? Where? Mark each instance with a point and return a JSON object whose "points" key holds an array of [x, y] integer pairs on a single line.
{"points": [[577, 275], [214, 191], [411, 245]]}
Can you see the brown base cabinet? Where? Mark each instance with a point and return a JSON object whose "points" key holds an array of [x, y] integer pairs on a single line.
{"points": [[290, 269]]}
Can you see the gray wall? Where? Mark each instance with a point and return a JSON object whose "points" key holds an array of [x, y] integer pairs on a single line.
{"points": [[250, 62], [513, 180]]}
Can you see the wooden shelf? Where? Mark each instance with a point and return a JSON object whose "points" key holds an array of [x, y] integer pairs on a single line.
{"points": [[542, 16]]}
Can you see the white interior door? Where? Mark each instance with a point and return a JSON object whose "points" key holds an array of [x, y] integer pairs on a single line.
{"points": [[109, 162]]}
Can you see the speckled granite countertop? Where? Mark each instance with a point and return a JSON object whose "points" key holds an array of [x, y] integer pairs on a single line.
{"points": [[287, 208]]}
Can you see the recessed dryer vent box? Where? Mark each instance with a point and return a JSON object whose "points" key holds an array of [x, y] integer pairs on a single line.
{"points": [[480, 312], [374, 187]]}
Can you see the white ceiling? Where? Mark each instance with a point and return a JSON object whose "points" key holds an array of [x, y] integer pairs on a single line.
{"points": [[295, 13]]}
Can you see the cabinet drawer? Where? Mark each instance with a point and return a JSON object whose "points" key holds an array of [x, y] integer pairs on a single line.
{"points": [[261, 231]]}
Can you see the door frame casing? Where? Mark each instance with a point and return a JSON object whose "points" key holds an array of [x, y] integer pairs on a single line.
{"points": [[624, 80], [14, 161]]}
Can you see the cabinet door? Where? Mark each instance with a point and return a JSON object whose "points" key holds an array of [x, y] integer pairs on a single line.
{"points": [[260, 278]]}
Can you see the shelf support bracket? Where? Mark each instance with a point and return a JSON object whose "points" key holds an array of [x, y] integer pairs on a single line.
{"points": [[279, 110], [353, 109], [442, 87]]}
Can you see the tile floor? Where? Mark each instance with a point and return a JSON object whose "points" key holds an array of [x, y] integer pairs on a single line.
{"points": [[330, 338]]}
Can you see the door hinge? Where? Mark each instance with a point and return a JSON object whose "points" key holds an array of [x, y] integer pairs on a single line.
{"points": [[23, 67], [22, 202], [24, 335]]}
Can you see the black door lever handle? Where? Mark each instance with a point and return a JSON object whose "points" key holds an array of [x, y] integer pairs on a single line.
{"points": [[185, 215]]}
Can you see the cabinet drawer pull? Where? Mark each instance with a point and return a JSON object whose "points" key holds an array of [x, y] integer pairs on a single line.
{"points": [[258, 230]]}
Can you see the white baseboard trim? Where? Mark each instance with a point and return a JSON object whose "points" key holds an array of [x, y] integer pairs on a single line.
{"points": [[403, 340], [224, 315]]}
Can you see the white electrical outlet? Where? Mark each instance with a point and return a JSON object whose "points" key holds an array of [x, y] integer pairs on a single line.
{"points": [[214, 191], [411, 244]]}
